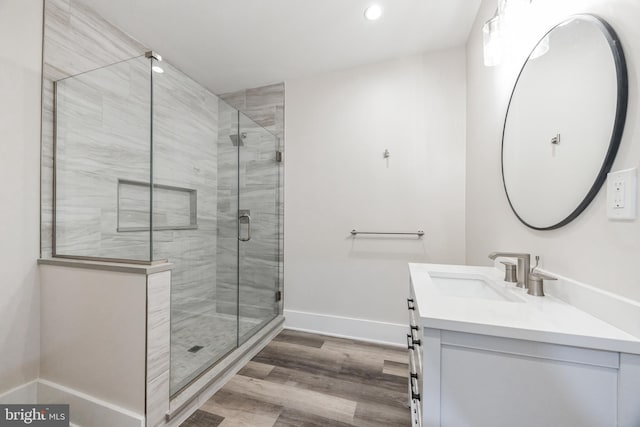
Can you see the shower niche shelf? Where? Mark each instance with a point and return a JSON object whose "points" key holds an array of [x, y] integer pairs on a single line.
{"points": [[174, 208]]}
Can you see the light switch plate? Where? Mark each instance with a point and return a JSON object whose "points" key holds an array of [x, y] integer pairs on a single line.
{"points": [[622, 194]]}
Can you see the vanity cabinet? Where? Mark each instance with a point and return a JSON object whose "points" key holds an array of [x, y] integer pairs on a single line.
{"points": [[460, 379]]}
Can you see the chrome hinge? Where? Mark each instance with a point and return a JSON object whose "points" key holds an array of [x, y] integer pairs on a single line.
{"points": [[279, 156], [278, 295]]}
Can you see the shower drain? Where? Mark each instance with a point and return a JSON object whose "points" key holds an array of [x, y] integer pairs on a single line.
{"points": [[195, 349]]}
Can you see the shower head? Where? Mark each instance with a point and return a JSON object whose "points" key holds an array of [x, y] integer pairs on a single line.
{"points": [[235, 141]]}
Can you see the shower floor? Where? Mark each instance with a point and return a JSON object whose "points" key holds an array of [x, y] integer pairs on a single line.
{"points": [[208, 334]]}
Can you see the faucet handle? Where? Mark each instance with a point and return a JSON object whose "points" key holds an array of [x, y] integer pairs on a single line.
{"points": [[536, 283], [510, 272]]}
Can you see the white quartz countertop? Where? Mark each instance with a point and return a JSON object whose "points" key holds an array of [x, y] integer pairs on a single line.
{"points": [[545, 319]]}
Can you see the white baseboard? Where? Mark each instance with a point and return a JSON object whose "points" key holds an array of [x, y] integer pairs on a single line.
{"points": [[26, 393], [85, 410], [347, 327]]}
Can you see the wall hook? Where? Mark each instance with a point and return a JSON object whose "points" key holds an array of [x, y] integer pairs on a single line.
{"points": [[386, 154]]}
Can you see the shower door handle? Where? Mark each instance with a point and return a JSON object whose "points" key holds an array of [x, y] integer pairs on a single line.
{"points": [[246, 217]]}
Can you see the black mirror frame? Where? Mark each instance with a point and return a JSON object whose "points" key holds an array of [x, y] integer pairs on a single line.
{"points": [[618, 124]]}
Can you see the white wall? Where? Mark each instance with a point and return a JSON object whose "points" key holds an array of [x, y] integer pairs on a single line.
{"points": [[338, 126], [20, 73], [591, 249]]}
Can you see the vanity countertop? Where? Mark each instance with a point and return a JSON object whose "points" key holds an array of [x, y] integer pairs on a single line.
{"points": [[545, 319]]}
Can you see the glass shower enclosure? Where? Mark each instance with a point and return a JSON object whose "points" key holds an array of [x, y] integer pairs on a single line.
{"points": [[150, 166]]}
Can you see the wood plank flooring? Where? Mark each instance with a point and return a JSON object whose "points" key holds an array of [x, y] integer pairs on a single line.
{"points": [[303, 379]]}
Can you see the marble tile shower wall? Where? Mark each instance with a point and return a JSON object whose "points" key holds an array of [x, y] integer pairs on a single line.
{"points": [[185, 140]]}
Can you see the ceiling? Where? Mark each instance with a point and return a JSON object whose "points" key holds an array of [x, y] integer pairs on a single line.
{"points": [[228, 45]]}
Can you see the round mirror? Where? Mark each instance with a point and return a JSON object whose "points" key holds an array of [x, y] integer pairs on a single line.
{"points": [[564, 122]]}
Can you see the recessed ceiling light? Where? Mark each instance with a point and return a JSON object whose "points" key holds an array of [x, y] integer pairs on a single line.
{"points": [[157, 69], [373, 12]]}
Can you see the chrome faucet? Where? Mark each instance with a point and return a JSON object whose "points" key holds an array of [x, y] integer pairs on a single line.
{"points": [[524, 263]]}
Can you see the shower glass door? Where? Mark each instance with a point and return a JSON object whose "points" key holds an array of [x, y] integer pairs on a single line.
{"points": [[258, 228]]}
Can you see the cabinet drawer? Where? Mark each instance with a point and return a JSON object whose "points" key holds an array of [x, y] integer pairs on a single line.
{"points": [[414, 336], [415, 370], [415, 353], [416, 413], [415, 381]]}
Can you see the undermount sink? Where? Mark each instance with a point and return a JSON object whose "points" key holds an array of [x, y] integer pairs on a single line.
{"points": [[472, 286]]}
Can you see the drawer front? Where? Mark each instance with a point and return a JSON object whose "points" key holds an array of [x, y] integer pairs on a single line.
{"points": [[414, 343], [414, 347], [415, 357], [416, 413], [414, 335], [415, 377]]}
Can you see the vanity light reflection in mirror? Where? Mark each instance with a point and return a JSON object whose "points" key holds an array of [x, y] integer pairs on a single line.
{"points": [[564, 122]]}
